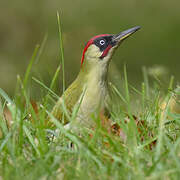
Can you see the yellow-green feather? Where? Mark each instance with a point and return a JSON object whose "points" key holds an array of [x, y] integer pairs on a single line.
{"points": [[70, 97]]}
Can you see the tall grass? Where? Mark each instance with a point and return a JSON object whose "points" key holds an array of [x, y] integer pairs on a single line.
{"points": [[146, 147]]}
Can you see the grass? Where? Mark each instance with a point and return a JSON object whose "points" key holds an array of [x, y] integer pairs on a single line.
{"points": [[148, 149]]}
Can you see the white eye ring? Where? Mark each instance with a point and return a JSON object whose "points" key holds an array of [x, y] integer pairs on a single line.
{"points": [[102, 42]]}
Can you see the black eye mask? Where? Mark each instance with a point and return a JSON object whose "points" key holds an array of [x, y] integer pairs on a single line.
{"points": [[107, 41]]}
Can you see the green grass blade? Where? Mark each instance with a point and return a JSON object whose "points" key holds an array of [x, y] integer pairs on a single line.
{"points": [[45, 87], [77, 106], [41, 49], [28, 71], [5, 96], [162, 120], [146, 81], [61, 48], [31, 139], [55, 77], [3, 143], [118, 93], [126, 88]]}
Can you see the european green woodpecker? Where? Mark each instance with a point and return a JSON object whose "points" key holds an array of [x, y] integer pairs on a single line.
{"points": [[92, 80]]}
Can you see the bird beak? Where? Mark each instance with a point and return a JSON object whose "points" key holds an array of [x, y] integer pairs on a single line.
{"points": [[123, 35]]}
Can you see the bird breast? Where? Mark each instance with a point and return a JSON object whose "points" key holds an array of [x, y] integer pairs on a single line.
{"points": [[93, 101]]}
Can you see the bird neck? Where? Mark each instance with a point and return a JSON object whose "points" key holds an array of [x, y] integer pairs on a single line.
{"points": [[94, 74]]}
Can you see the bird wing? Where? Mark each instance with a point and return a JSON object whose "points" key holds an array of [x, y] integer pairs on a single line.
{"points": [[70, 98]]}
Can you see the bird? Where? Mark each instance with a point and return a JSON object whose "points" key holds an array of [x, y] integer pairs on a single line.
{"points": [[90, 90]]}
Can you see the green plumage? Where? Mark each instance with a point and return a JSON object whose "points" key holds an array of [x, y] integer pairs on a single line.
{"points": [[70, 97]]}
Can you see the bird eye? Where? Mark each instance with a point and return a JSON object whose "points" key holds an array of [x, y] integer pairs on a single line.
{"points": [[101, 42]]}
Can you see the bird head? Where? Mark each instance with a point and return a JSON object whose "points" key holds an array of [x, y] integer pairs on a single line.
{"points": [[99, 49]]}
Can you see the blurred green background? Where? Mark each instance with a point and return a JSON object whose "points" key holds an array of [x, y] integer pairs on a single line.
{"points": [[23, 24]]}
